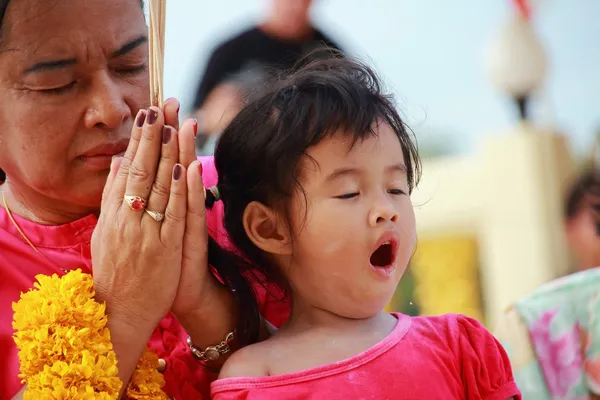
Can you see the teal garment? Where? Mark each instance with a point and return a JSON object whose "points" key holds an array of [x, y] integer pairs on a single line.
{"points": [[553, 339]]}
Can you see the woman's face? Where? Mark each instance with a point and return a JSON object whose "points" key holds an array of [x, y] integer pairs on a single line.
{"points": [[73, 74]]}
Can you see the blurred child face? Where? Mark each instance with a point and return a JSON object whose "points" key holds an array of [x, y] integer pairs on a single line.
{"points": [[355, 230], [583, 234]]}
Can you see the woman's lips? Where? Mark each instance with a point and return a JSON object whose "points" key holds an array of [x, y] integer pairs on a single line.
{"points": [[100, 157]]}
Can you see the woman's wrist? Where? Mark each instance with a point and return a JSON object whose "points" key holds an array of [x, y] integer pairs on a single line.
{"points": [[129, 341], [124, 311], [218, 310], [212, 321], [218, 303], [129, 332]]}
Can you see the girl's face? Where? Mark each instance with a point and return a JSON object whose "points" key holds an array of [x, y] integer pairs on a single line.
{"points": [[354, 225]]}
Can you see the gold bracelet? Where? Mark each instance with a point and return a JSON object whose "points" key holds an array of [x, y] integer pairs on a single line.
{"points": [[212, 353]]}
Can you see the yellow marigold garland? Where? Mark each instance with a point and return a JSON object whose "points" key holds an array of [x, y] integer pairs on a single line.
{"points": [[147, 382], [64, 344]]}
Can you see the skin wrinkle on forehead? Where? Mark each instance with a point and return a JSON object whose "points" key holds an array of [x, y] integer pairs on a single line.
{"points": [[6, 24], [63, 46]]}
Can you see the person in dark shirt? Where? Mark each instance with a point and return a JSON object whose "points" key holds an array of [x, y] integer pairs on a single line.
{"points": [[279, 42]]}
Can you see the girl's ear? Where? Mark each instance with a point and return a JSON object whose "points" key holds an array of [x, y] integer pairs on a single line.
{"points": [[266, 229]]}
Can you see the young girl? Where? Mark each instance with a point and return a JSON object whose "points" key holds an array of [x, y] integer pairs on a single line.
{"points": [[315, 177]]}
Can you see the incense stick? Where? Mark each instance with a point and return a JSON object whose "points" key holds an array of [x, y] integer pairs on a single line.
{"points": [[595, 157], [156, 40]]}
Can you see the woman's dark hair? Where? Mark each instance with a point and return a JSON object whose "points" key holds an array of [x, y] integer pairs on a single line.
{"points": [[258, 155], [3, 7]]}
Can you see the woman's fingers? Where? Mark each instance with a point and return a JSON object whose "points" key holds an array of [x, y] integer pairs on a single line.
{"points": [[171, 111], [194, 269], [195, 228], [120, 182], [112, 174], [143, 168], [161, 188], [173, 225], [187, 142]]}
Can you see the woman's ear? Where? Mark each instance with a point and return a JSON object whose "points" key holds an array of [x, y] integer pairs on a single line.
{"points": [[266, 229]]}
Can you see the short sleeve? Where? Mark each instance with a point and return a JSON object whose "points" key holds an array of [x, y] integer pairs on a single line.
{"points": [[485, 367], [513, 334]]}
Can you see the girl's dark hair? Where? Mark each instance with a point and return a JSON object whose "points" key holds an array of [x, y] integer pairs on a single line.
{"points": [[257, 158]]}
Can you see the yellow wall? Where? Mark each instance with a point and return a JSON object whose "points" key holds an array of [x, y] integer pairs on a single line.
{"points": [[446, 272], [502, 207]]}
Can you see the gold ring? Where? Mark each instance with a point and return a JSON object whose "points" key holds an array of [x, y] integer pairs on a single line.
{"points": [[136, 203], [157, 216]]}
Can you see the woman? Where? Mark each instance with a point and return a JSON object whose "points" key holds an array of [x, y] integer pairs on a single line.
{"points": [[553, 335], [74, 91]]}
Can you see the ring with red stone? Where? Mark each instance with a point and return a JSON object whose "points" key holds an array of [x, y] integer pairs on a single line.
{"points": [[136, 203]]}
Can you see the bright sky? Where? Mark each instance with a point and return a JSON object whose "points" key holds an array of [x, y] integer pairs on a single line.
{"points": [[430, 53]]}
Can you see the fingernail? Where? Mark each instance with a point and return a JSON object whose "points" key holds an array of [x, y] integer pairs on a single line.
{"points": [[195, 127], [200, 169], [151, 116], [173, 99], [115, 160], [177, 172], [141, 117], [166, 134]]}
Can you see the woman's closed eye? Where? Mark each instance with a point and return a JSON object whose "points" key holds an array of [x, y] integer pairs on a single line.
{"points": [[57, 90], [133, 70]]}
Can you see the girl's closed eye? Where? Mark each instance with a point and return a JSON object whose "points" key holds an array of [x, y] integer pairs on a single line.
{"points": [[397, 192], [351, 195], [347, 196]]}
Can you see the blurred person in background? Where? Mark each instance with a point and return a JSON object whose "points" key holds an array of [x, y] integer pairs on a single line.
{"points": [[552, 335], [222, 105], [243, 61]]}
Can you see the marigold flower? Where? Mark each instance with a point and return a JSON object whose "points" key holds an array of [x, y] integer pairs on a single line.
{"points": [[64, 344]]}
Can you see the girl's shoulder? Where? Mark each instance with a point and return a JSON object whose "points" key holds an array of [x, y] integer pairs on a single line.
{"points": [[483, 362], [466, 337]]}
